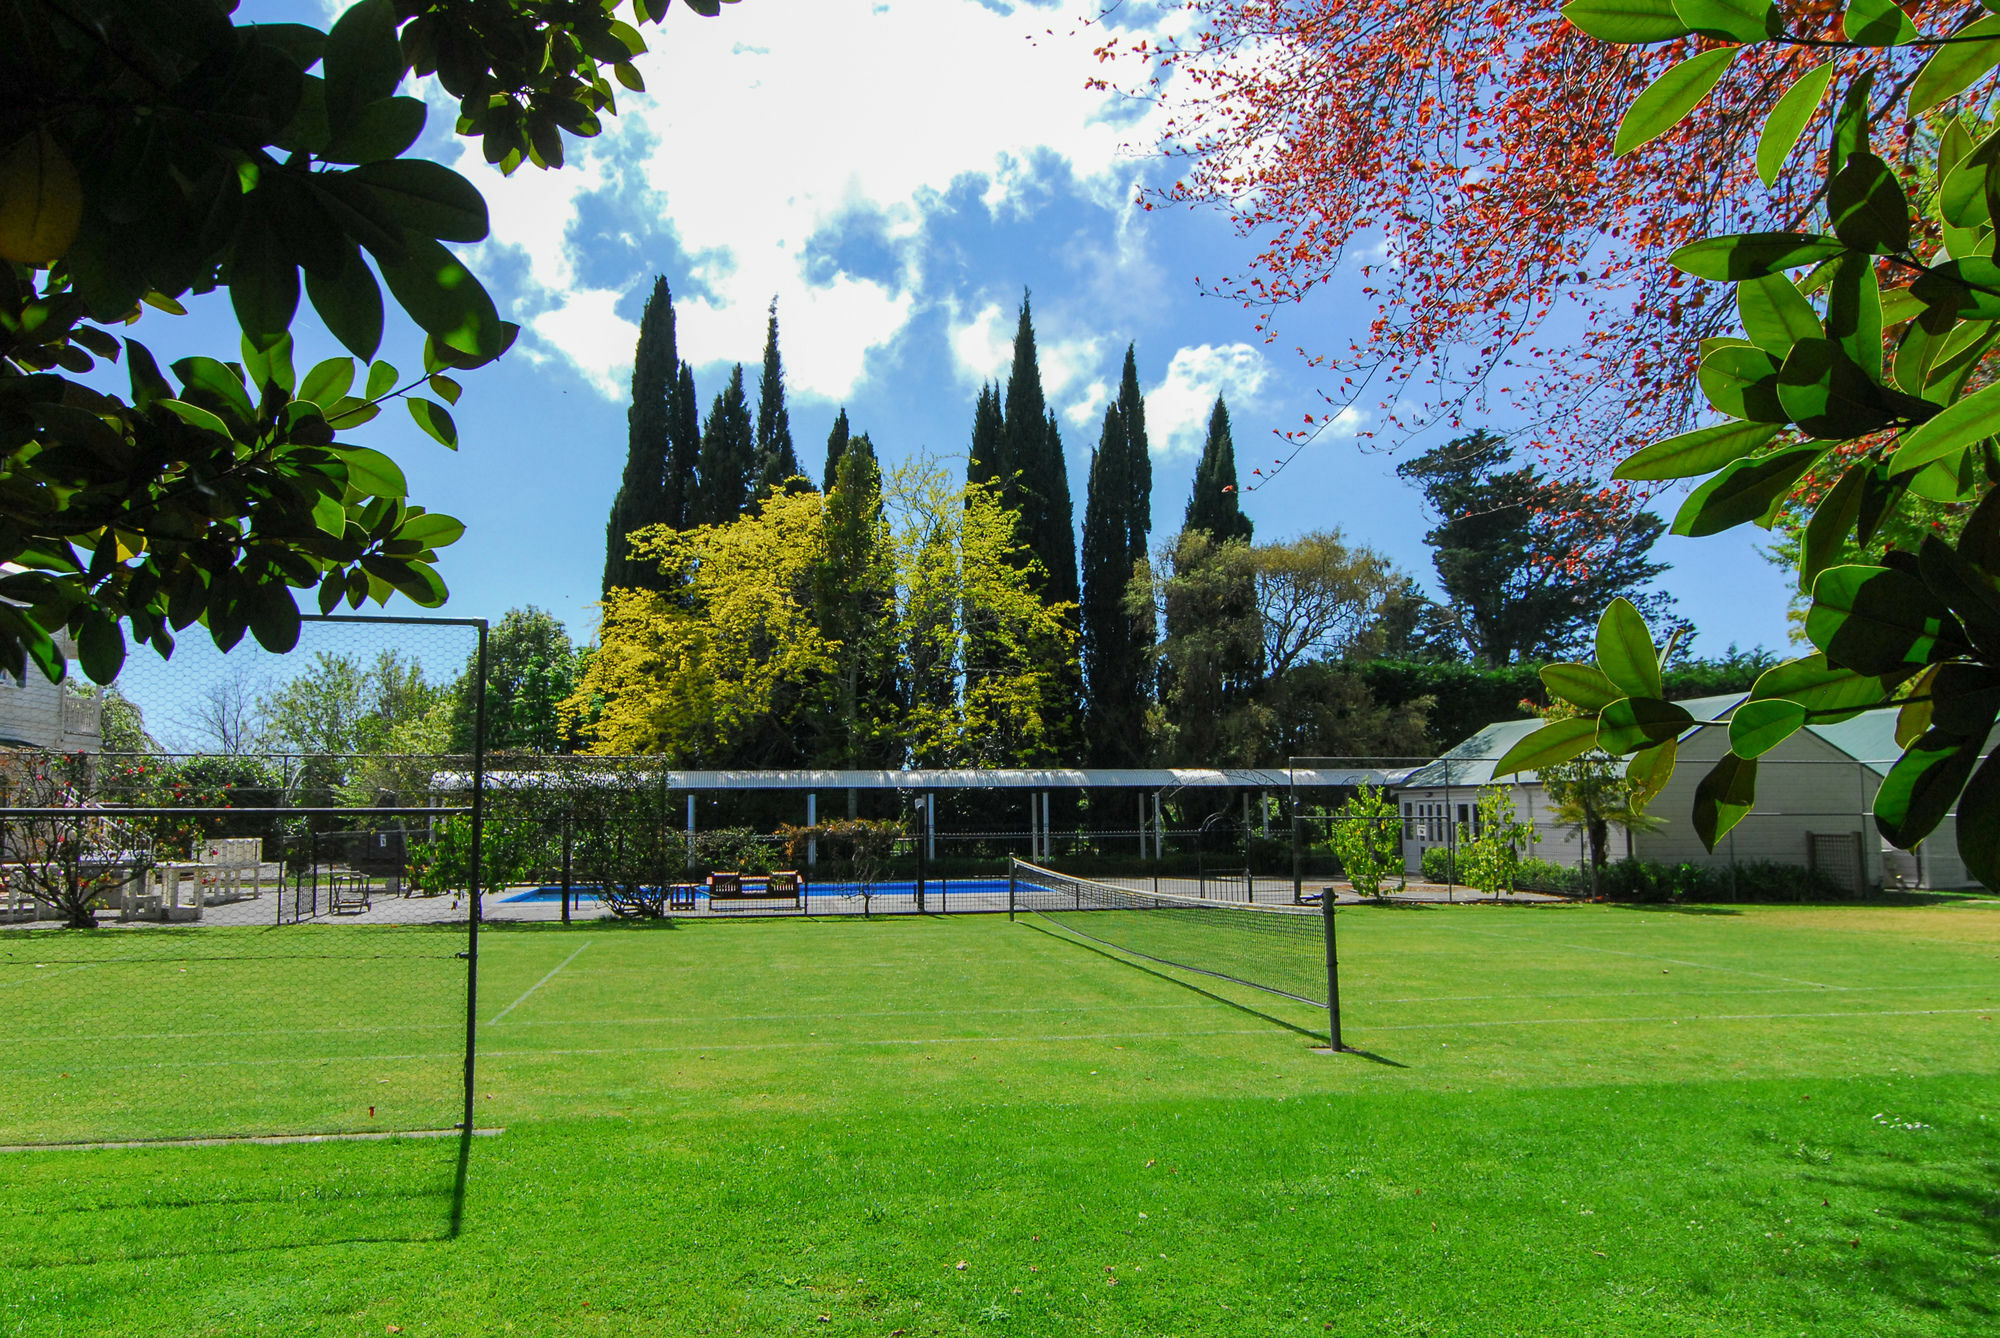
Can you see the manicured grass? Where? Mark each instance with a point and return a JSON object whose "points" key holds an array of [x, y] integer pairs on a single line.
{"points": [[1566, 1121]]}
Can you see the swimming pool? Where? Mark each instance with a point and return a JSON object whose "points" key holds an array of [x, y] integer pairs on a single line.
{"points": [[933, 887]]}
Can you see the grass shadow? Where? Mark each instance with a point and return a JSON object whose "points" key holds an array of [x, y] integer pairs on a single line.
{"points": [[1183, 984]]}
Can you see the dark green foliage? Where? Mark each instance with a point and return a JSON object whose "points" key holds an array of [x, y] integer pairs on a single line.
{"points": [[652, 491], [1322, 709], [1466, 698], [1132, 416], [1648, 882], [180, 151], [1116, 644], [1214, 506], [836, 446], [987, 461], [728, 455], [1034, 479], [1526, 562], [530, 668], [1732, 671], [777, 463], [1211, 659], [855, 591]]}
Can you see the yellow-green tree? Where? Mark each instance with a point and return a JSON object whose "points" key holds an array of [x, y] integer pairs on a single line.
{"points": [[701, 674], [984, 652]]}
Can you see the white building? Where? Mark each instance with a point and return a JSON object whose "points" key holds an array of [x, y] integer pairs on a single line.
{"points": [[1815, 798], [35, 713]]}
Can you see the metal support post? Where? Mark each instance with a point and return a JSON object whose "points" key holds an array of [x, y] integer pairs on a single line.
{"points": [[567, 834], [1326, 910], [812, 820]]}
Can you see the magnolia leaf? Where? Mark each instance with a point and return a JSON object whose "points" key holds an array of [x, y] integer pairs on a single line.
{"points": [[1956, 66], [1757, 727], [349, 300], [1635, 723], [1867, 205], [1788, 120], [1954, 428], [1731, 20], [1877, 23], [1877, 620], [1625, 650], [1837, 514], [1979, 824], [1752, 255], [1829, 395], [1701, 451], [1649, 771], [1668, 99], [373, 473], [41, 200], [1742, 382], [1725, 795], [1626, 21], [1921, 788], [1581, 685], [433, 419], [1776, 314], [1556, 742], [1744, 491]]}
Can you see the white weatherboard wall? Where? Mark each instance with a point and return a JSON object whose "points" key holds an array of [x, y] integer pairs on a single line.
{"points": [[1815, 799], [36, 713]]}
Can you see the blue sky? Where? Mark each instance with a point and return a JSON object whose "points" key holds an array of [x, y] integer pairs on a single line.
{"points": [[894, 172]]}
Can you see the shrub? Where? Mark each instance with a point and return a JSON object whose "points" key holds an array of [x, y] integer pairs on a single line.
{"points": [[1366, 837], [1438, 866]]}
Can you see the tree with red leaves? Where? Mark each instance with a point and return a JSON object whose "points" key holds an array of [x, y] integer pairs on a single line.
{"points": [[1454, 162]]}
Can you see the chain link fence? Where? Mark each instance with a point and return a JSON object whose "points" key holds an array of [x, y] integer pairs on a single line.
{"points": [[208, 927]]}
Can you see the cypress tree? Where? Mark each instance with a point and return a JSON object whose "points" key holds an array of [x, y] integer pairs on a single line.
{"points": [[1214, 506], [728, 455], [684, 422], [777, 462], [1114, 708], [1034, 477], [836, 446], [650, 491], [987, 462], [1117, 523], [1139, 454]]}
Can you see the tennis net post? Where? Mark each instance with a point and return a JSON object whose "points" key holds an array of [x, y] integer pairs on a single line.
{"points": [[1326, 909]]}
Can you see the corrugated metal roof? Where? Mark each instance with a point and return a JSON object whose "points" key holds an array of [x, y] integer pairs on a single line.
{"points": [[1029, 778], [1471, 762]]}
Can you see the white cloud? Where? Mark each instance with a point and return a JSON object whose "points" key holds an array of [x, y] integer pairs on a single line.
{"points": [[982, 348], [1085, 411], [1177, 409], [778, 121], [595, 338]]}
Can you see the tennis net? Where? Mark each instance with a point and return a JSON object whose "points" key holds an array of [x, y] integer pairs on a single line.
{"points": [[1281, 949]]}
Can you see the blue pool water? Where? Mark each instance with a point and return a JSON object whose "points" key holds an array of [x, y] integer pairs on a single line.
{"points": [[934, 887]]}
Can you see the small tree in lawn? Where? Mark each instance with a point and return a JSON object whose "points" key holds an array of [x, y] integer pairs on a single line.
{"points": [[1592, 792], [67, 861], [1489, 858], [1365, 840]]}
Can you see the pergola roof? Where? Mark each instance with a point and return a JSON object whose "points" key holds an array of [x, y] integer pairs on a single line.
{"points": [[1023, 778]]}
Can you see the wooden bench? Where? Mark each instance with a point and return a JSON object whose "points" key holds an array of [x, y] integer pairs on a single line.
{"points": [[784, 886]]}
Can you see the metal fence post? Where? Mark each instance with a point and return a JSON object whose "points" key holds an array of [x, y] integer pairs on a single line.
{"points": [[476, 879], [1010, 889], [1298, 865], [1332, 973]]}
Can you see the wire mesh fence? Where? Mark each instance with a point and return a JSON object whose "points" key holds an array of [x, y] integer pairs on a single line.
{"points": [[207, 924]]}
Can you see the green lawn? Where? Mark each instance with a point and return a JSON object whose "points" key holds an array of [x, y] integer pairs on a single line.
{"points": [[1579, 1120]]}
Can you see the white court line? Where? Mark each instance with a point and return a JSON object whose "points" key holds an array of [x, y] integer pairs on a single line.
{"points": [[36, 980], [1649, 957], [538, 984], [1698, 1017]]}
